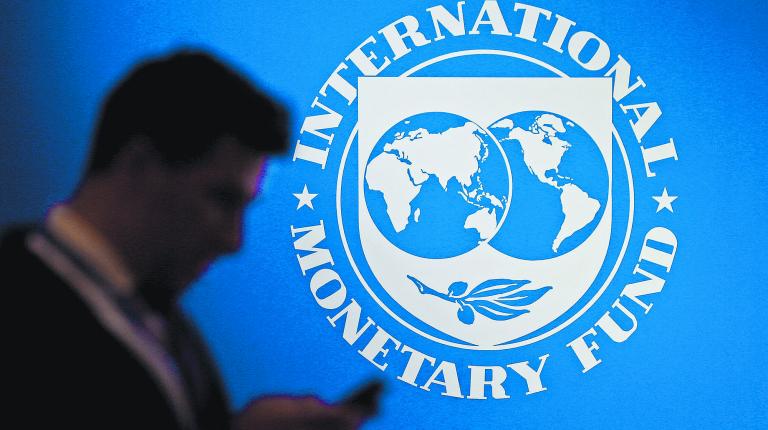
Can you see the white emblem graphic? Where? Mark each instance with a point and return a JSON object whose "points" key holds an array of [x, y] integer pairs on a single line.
{"points": [[472, 217], [491, 195]]}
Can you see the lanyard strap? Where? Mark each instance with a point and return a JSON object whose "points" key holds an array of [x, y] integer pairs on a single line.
{"points": [[119, 316]]}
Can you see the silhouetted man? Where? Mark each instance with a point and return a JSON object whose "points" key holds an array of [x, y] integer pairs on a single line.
{"points": [[96, 338]]}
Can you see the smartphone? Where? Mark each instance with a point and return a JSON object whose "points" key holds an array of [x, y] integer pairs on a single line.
{"points": [[365, 399]]}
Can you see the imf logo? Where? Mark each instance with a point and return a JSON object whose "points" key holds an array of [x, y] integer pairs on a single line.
{"points": [[473, 197]]}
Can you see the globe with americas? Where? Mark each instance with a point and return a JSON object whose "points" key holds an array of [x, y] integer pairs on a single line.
{"points": [[561, 184], [436, 185]]}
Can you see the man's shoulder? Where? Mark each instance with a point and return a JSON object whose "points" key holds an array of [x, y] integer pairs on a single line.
{"points": [[34, 293], [42, 303], [13, 238], [57, 343], [16, 259], [24, 275]]}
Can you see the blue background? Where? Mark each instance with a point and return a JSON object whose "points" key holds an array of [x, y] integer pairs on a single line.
{"points": [[696, 360]]}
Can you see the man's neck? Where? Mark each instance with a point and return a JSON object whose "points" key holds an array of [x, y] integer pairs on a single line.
{"points": [[90, 246], [99, 206]]}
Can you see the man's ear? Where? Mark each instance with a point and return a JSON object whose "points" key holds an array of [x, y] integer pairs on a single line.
{"points": [[138, 157]]}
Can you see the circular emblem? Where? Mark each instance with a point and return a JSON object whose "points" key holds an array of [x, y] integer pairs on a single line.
{"points": [[473, 190]]}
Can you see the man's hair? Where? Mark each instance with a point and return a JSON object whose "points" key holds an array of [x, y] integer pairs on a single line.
{"points": [[183, 103]]}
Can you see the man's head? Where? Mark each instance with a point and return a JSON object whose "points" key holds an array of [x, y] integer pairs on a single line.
{"points": [[177, 156], [183, 103]]}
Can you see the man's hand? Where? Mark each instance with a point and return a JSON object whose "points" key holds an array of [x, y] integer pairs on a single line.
{"points": [[296, 413]]}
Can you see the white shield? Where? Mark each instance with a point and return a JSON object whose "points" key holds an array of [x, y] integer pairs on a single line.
{"points": [[384, 102]]}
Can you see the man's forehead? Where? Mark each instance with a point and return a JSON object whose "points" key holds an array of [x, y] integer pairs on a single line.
{"points": [[237, 164], [230, 151]]}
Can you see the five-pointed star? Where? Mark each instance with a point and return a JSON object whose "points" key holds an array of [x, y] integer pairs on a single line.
{"points": [[305, 198], [664, 201]]}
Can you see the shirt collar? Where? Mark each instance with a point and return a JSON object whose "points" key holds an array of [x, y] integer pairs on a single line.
{"points": [[91, 246]]}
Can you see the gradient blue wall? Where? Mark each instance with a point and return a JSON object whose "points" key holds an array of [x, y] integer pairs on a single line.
{"points": [[697, 361]]}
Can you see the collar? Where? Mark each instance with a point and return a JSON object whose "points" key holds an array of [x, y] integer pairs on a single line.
{"points": [[83, 239]]}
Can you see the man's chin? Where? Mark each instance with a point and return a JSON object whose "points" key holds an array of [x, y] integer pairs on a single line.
{"points": [[162, 295], [164, 289], [200, 270]]}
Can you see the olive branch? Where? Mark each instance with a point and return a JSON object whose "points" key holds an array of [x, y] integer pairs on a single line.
{"points": [[497, 299]]}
